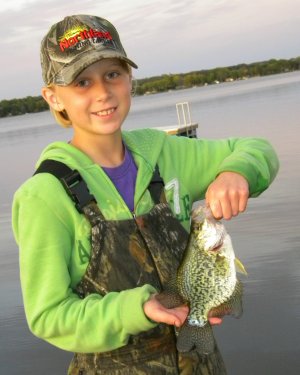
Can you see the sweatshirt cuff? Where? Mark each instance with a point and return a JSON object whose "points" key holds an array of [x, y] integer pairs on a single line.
{"points": [[245, 170], [132, 313]]}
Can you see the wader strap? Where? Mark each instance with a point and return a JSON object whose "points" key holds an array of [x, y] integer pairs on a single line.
{"points": [[71, 180], [77, 189]]}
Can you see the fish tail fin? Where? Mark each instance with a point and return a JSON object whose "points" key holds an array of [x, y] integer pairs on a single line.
{"points": [[194, 363], [196, 338]]}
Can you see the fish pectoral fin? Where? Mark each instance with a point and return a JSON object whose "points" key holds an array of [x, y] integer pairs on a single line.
{"points": [[240, 267], [196, 338], [170, 299], [237, 300], [233, 306]]}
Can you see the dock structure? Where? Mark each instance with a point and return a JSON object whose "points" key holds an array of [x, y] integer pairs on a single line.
{"points": [[185, 127], [189, 131]]}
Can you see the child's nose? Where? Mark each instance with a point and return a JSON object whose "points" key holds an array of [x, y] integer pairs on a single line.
{"points": [[102, 90]]}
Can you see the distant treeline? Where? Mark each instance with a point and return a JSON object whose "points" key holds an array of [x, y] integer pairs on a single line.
{"points": [[206, 77], [32, 104]]}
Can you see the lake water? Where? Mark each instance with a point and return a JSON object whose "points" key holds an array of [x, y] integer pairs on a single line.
{"points": [[266, 237]]}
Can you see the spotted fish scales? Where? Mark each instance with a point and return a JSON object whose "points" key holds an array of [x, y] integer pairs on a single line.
{"points": [[206, 280]]}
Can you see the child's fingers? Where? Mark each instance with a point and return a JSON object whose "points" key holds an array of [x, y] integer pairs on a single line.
{"points": [[176, 316], [158, 313], [215, 321], [244, 195]]}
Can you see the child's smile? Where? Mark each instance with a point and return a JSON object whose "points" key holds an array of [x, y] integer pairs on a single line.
{"points": [[105, 113]]}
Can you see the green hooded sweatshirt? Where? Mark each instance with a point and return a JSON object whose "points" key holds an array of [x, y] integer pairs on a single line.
{"points": [[54, 239]]}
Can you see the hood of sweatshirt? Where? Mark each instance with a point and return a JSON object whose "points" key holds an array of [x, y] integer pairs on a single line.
{"points": [[145, 145]]}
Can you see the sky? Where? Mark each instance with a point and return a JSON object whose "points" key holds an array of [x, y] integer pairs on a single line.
{"points": [[162, 37]]}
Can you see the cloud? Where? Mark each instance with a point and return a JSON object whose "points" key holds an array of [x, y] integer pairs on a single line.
{"points": [[162, 37]]}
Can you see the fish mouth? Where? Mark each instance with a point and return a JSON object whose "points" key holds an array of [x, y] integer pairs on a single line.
{"points": [[215, 241], [216, 247]]}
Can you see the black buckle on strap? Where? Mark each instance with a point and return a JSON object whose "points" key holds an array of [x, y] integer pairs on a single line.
{"points": [[156, 186], [76, 187]]}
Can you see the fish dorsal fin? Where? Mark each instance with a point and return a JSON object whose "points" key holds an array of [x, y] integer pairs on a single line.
{"points": [[240, 267]]}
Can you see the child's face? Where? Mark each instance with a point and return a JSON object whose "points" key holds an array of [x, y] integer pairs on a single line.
{"points": [[98, 100]]}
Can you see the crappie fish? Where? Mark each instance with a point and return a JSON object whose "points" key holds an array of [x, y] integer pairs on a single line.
{"points": [[206, 280]]}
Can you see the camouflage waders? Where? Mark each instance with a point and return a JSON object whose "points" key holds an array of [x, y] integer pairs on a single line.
{"points": [[130, 253]]}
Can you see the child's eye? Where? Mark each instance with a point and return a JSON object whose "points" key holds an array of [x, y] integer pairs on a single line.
{"points": [[113, 75], [82, 83]]}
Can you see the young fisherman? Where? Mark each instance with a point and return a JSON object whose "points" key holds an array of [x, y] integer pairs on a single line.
{"points": [[90, 270]]}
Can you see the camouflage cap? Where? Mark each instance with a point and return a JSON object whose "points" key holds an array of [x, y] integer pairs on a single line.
{"points": [[76, 42]]}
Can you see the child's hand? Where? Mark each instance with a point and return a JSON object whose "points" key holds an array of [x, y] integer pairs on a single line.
{"points": [[227, 196], [155, 311]]}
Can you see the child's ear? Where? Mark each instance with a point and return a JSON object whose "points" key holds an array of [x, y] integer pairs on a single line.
{"points": [[51, 98]]}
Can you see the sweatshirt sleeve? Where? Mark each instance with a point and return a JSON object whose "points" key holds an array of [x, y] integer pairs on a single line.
{"points": [[253, 158], [200, 161], [54, 312]]}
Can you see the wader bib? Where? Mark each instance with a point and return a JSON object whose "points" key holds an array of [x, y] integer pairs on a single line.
{"points": [[126, 254]]}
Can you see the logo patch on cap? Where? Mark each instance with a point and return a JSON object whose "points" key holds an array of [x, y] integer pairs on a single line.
{"points": [[80, 36]]}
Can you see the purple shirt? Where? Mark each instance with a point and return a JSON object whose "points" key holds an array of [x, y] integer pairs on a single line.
{"points": [[124, 177]]}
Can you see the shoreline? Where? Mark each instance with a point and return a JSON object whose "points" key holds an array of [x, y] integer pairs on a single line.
{"points": [[170, 82]]}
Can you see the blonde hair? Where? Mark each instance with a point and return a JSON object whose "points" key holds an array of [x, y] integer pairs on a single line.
{"points": [[62, 117]]}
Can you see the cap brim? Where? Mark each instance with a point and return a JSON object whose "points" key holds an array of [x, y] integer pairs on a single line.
{"points": [[70, 71]]}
